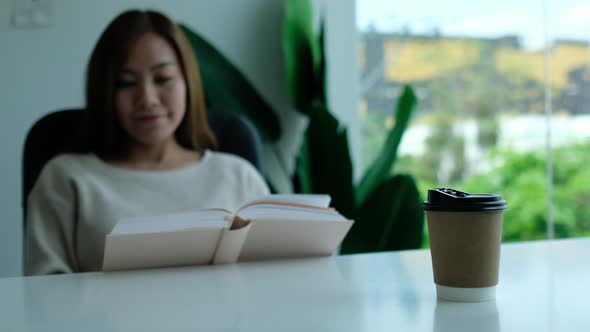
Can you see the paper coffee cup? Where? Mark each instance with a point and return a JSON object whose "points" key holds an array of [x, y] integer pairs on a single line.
{"points": [[465, 232]]}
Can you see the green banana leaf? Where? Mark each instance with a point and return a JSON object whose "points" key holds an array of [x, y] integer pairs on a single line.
{"points": [[304, 181], [320, 87], [227, 89], [391, 218], [326, 161], [301, 53], [380, 169]]}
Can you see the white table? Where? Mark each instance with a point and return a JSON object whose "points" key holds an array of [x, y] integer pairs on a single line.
{"points": [[544, 286]]}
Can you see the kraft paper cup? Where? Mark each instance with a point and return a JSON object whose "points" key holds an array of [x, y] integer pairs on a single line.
{"points": [[465, 232]]}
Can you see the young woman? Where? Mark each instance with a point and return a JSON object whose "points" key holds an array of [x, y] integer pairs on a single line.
{"points": [[145, 151]]}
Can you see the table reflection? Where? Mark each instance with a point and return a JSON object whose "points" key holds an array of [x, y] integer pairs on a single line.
{"points": [[466, 316]]}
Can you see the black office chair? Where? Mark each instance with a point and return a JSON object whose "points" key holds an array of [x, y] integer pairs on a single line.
{"points": [[51, 134]]}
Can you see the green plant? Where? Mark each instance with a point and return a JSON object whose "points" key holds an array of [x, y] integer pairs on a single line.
{"points": [[386, 209], [521, 179], [226, 88]]}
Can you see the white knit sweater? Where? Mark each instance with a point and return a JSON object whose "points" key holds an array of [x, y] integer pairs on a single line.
{"points": [[78, 199]]}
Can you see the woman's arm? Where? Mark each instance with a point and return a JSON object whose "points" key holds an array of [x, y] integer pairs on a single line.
{"points": [[50, 242], [255, 183]]}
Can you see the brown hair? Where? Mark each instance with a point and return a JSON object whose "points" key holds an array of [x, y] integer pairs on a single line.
{"points": [[103, 134]]}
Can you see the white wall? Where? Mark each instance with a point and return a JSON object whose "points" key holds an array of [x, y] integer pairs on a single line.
{"points": [[43, 70], [343, 77]]}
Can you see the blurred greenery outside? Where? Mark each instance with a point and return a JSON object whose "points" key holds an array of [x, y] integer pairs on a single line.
{"points": [[476, 81]]}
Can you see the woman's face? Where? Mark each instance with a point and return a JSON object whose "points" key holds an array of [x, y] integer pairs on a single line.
{"points": [[150, 96]]}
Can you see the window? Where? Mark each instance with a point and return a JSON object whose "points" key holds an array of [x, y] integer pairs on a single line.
{"points": [[487, 105]]}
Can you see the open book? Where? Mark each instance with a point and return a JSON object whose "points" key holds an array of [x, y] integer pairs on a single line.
{"points": [[272, 227]]}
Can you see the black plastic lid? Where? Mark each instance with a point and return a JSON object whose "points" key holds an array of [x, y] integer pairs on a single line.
{"points": [[447, 199]]}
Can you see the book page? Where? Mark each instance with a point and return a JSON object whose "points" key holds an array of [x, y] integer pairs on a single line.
{"points": [[320, 201], [152, 250], [188, 238], [172, 222], [289, 230], [289, 212], [274, 238]]}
